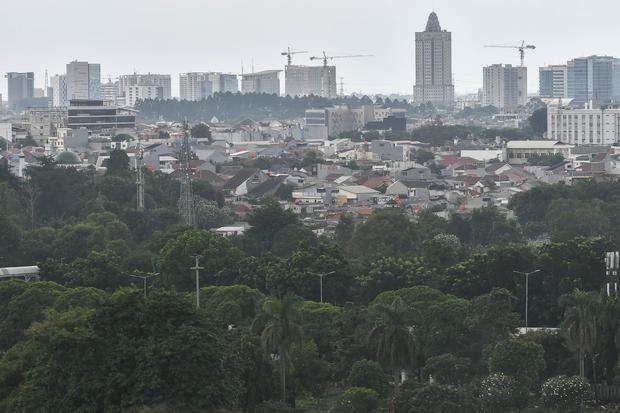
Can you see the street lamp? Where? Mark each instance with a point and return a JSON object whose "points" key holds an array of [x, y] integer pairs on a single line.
{"points": [[527, 296], [143, 278], [197, 268], [321, 275]]}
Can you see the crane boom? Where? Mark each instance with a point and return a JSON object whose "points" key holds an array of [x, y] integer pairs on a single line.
{"points": [[325, 78], [289, 54], [521, 48]]}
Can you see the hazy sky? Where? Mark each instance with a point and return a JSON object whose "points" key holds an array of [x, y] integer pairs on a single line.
{"points": [[172, 36]]}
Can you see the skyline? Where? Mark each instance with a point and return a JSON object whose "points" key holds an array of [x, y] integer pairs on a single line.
{"points": [[231, 31]]}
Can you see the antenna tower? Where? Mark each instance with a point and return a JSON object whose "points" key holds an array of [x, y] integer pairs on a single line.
{"points": [[140, 177], [186, 199]]}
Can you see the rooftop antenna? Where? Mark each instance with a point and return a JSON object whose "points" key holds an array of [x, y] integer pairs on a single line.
{"points": [[46, 82], [186, 198], [252, 65]]}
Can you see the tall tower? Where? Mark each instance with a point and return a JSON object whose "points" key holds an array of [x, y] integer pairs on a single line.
{"points": [[433, 65], [140, 177], [186, 198]]}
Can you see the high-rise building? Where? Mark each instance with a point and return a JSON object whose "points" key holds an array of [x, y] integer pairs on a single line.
{"points": [[267, 81], [148, 79], [433, 65], [200, 85], [310, 80], [142, 92], [20, 87], [591, 79], [109, 91], [83, 80], [58, 84], [504, 87], [553, 81]]}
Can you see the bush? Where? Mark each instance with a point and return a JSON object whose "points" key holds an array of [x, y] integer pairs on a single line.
{"points": [[447, 369], [518, 357], [369, 374], [357, 400], [414, 398], [273, 407], [565, 393], [501, 393]]}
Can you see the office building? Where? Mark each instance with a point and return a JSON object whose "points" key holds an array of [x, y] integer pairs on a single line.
{"points": [[553, 81], [433, 65], [94, 116], [195, 86], [504, 87], [44, 122], [310, 80], [83, 80], [591, 79], [267, 81], [584, 126], [58, 84], [20, 86], [229, 83], [148, 79]]}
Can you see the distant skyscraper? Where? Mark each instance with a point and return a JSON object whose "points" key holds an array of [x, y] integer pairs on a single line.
{"points": [[591, 79], [109, 91], [267, 81], [148, 79], [310, 80], [433, 65], [200, 85], [83, 80], [553, 81], [504, 87], [20, 87], [58, 84]]}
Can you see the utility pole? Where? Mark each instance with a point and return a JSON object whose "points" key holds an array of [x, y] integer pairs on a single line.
{"points": [[197, 268], [143, 278], [527, 295], [321, 275]]}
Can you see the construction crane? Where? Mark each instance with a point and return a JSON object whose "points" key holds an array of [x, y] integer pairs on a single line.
{"points": [[325, 74], [289, 54], [521, 49]]}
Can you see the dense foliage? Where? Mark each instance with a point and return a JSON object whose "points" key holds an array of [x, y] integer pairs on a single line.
{"points": [[420, 313]]}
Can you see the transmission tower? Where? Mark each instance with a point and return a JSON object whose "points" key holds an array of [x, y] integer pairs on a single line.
{"points": [[186, 199], [140, 176]]}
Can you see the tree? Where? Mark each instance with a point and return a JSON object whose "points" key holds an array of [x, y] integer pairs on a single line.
{"points": [[580, 324], [570, 218], [118, 163], [357, 400], [501, 393], [369, 374], [447, 369], [279, 325], [201, 131], [387, 233], [518, 357], [565, 393], [416, 398], [393, 338], [538, 121]]}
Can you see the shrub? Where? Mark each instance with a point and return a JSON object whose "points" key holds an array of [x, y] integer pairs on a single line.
{"points": [[369, 374], [447, 369], [357, 400], [273, 407], [565, 393], [499, 393], [518, 357], [414, 398]]}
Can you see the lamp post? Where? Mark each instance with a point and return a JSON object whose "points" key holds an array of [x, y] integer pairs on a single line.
{"points": [[321, 275], [197, 268], [527, 295]]}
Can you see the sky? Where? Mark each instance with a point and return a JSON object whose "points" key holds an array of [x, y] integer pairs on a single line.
{"points": [[165, 36]]}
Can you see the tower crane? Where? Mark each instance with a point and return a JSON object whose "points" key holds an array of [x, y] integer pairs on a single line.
{"points": [[325, 74], [520, 48], [289, 54]]}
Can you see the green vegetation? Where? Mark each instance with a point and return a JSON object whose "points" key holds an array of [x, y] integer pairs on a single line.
{"points": [[419, 315]]}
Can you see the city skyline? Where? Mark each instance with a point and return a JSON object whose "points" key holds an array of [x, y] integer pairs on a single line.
{"points": [[253, 33]]}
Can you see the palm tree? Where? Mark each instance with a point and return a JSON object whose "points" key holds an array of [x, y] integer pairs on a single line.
{"points": [[394, 338], [279, 324], [580, 323]]}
